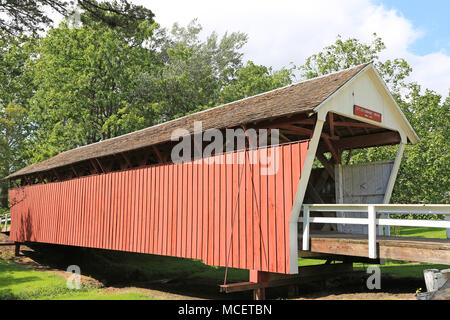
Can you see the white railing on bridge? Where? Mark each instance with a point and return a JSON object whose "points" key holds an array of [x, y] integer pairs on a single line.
{"points": [[4, 219], [372, 221]]}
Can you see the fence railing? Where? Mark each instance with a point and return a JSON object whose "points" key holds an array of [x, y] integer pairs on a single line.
{"points": [[372, 221], [4, 219]]}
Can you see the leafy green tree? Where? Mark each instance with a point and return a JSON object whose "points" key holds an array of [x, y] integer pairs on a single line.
{"points": [[192, 72], [85, 79], [344, 54], [19, 16], [425, 171], [254, 79], [15, 90]]}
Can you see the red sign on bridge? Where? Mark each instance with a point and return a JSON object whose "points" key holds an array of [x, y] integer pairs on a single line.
{"points": [[366, 113]]}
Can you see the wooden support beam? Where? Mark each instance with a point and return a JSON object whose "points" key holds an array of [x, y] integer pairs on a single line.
{"points": [[284, 137], [100, 165], [304, 131], [94, 167], [127, 160], [336, 257], [334, 151], [55, 172], [315, 195], [355, 125], [396, 248], [17, 249], [331, 124], [158, 154], [276, 124], [370, 140], [349, 156], [327, 165], [269, 280], [74, 171]]}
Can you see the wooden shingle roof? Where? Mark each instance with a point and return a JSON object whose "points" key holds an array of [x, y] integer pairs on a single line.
{"points": [[293, 99]]}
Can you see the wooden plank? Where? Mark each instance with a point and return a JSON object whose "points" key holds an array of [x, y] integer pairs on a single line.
{"points": [[141, 212], [279, 212], [145, 210], [195, 231], [184, 210], [396, 248], [189, 186], [229, 182], [326, 163], [288, 197], [200, 215], [234, 235], [369, 140], [217, 210], [210, 191], [331, 124], [241, 212], [256, 214], [277, 280], [272, 222], [205, 210], [223, 209], [355, 124], [248, 195], [165, 211]]}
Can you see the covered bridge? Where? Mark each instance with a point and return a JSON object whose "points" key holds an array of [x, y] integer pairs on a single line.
{"points": [[127, 194]]}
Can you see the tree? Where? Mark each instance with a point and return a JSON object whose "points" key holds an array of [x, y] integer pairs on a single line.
{"points": [[254, 79], [425, 171], [344, 54], [19, 16], [15, 90], [191, 72], [85, 79]]}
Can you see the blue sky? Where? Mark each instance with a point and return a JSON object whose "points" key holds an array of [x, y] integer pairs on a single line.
{"points": [[431, 17]]}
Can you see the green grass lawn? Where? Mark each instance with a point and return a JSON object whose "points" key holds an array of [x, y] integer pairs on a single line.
{"points": [[17, 282], [437, 233]]}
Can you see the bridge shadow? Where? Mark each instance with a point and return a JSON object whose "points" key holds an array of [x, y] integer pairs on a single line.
{"points": [[192, 278], [186, 277]]}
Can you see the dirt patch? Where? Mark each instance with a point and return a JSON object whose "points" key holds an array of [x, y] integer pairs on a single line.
{"points": [[363, 296], [153, 293]]}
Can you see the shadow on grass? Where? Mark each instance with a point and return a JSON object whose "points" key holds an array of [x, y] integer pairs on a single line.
{"points": [[194, 279], [8, 275], [187, 277]]}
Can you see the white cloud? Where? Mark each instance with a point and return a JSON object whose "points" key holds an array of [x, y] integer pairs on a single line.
{"points": [[285, 31]]}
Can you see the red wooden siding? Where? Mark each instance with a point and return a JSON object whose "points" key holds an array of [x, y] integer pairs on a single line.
{"points": [[224, 214]]}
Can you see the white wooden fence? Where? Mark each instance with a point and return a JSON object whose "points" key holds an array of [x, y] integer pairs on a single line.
{"points": [[4, 219], [372, 221]]}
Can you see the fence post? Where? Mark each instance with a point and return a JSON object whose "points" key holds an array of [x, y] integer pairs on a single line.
{"points": [[372, 232], [447, 217], [305, 239]]}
